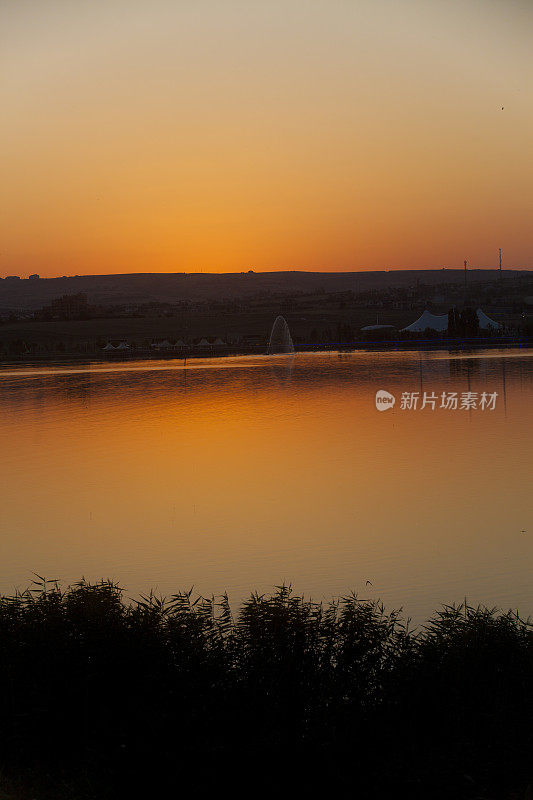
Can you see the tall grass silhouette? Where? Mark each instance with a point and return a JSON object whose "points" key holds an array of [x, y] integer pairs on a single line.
{"points": [[97, 693]]}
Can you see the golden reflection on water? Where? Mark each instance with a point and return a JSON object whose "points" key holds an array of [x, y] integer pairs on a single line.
{"points": [[241, 473]]}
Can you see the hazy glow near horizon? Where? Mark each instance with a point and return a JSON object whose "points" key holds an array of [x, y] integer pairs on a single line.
{"points": [[221, 135]]}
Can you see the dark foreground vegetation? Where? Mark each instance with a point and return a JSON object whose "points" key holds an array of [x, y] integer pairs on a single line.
{"points": [[99, 698]]}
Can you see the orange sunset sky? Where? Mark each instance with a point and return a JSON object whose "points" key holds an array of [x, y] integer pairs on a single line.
{"points": [[223, 135]]}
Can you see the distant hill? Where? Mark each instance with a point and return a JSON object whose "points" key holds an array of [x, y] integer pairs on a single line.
{"points": [[30, 294]]}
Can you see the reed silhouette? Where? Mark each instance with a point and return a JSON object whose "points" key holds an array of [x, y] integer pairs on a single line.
{"points": [[100, 697]]}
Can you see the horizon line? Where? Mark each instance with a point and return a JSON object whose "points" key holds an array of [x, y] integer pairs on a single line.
{"points": [[37, 276]]}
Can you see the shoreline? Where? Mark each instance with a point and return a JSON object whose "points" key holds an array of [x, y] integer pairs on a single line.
{"points": [[428, 345]]}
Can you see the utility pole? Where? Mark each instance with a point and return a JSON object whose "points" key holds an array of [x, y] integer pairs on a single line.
{"points": [[465, 284]]}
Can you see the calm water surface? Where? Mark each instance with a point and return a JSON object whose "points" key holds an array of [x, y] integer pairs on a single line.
{"points": [[240, 473]]}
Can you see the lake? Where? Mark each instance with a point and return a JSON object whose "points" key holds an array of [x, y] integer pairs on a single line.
{"points": [[241, 473]]}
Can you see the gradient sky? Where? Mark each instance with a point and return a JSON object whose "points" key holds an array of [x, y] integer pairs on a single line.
{"points": [[223, 135]]}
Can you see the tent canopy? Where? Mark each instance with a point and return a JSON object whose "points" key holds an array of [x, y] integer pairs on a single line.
{"points": [[439, 322], [436, 322], [486, 322]]}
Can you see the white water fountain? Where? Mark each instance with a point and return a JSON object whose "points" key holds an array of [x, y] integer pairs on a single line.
{"points": [[280, 338]]}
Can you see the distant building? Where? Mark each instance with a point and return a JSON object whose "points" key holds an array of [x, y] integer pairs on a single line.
{"points": [[165, 344], [68, 306], [378, 332], [252, 339], [377, 327]]}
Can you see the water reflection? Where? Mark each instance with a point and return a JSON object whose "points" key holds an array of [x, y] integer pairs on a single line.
{"points": [[282, 368], [241, 473]]}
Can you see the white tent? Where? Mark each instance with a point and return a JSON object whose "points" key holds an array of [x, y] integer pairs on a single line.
{"points": [[123, 346], [110, 346], [377, 327], [485, 323], [219, 343], [435, 322], [203, 343]]}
